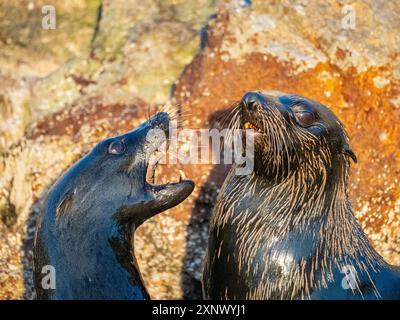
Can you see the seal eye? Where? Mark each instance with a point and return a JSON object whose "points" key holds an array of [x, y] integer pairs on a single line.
{"points": [[117, 147], [305, 118]]}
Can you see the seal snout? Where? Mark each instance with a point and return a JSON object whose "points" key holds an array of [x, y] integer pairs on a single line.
{"points": [[251, 100], [161, 121], [251, 105], [157, 144]]}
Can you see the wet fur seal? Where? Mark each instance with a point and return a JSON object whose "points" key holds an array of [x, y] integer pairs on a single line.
{"points": [[287, 231], [85, 228]]}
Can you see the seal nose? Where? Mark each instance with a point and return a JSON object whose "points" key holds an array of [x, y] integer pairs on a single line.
{"points": [[251, 99], [160, 121]]}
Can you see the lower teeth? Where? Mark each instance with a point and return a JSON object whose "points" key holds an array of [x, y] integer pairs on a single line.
{"points": [[181, 176], [153, 162]]}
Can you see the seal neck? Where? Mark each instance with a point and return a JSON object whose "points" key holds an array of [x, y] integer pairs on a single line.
{"points": [[315, 208], [121, 243]]}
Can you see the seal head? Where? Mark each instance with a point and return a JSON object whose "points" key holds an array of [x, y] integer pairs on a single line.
{"points": [[287, 230], [85, 229], [293, 133]]}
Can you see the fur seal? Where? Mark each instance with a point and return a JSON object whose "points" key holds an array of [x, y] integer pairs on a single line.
{"points": [[84, 231], [287, 231]]}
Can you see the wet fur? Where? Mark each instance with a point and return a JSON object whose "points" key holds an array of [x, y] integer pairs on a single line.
{"points": [[287, 230], [86, 226]]}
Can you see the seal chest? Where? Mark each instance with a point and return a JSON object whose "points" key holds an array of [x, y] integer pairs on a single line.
{"points": [[287, 230], [85, 229]]}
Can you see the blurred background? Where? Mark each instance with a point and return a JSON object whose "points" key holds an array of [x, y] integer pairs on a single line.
{"points": [[104, 66]]}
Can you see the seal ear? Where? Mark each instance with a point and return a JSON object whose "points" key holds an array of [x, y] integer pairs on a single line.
{"points": [[348, 152], [65, 203]]}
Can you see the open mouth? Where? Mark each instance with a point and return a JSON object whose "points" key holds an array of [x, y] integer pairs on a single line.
{"points": [[155, 157], [169, 193], [249, 125], [157, 197], [159, 155]]}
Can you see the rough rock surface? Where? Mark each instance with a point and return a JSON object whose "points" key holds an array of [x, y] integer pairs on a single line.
{"points": [[138, 52], [29, 53]]}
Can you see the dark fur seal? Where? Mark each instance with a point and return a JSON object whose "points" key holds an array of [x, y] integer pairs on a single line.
{"points": [[287, 231], [91, 212]]}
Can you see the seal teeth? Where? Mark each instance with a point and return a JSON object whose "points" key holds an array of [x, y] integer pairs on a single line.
{"points": [[249, 125], [154, 159], [182, 176]]}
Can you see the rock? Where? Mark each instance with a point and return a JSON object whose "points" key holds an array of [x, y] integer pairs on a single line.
{"points": [[29, 51], [139, 49], [14, 113]]}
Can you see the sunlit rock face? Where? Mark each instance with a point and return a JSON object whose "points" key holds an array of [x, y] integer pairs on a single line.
{"points": [[137, 56]]}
